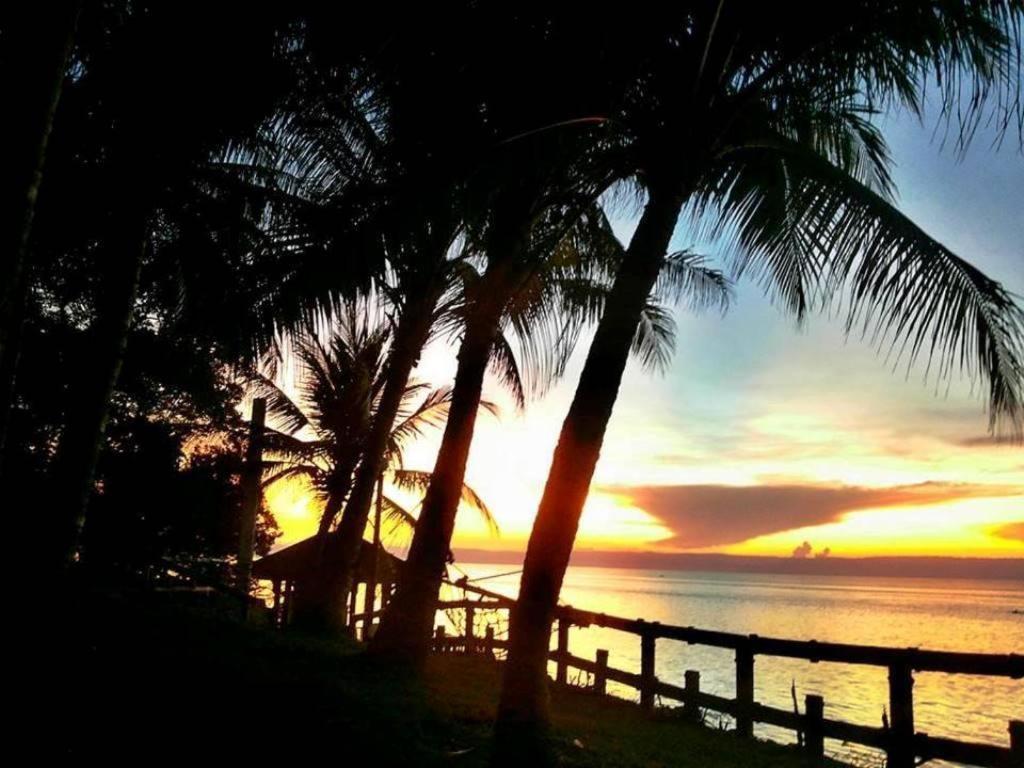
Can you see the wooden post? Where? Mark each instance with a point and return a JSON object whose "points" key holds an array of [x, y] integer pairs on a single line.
{"points": [[647, 678], [900, 753], [275, 612], [370, 601], [601, 673], [744, 691], [562, 675], [1016, 742], [251, 494], [439, 636], [352, 602], [289, 603], [691, 687], [814, 725], [470, 637], [489, 642]]}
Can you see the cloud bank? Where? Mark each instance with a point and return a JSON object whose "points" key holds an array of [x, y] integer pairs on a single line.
{"points": [[702, 516]]}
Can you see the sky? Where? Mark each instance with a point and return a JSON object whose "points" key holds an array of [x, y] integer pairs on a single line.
{"points": [[762, 438]]}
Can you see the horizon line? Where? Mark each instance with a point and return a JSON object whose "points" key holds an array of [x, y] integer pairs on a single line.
{"points": [[904, 566]]}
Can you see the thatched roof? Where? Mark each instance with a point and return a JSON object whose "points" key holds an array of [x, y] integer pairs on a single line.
{"points": [[295, 562]]}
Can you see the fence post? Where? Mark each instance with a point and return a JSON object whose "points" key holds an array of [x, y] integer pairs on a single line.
{"points": [[1017, 742], [370, 596], [352, 598], [814, 728], [439, 635], [647, 678], [601, 673], [900, 752], [289, 603], [489, 642], [691, 688], [562, 669], [745, 690], [275, 612], [470, 638]]}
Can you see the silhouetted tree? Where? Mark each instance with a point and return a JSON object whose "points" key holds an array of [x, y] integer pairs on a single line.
{"points": [[156, 92], [541, 174], [374, 157], [321, 435], [35, 50], [758, 116]]}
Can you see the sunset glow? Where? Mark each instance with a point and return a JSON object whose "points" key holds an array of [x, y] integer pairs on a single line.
{"points": [[749, 401]]}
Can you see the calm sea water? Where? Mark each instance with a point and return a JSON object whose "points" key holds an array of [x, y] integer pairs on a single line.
{"points": [[955, 615]]}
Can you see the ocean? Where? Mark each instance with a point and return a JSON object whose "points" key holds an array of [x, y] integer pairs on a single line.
{"points": [[954, 615]]}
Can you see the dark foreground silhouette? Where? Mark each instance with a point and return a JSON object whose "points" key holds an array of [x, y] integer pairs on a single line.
{"points": [[153, 678]]}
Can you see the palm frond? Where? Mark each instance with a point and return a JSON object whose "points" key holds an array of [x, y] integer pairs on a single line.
{"points": [[431, 412], [833, 238], [687, 279], [280, 406], [292, 448], [396, 515], [654, 340], [310, 471], [418, 482], [505, 368]]}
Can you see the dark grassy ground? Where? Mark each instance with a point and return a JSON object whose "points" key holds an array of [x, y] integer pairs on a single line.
{"points": [[147, 680]]}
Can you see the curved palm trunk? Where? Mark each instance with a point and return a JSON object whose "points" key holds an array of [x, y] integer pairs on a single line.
{"points": [[405, 630], [341, 484], [311, 610], [343, 550], [86, 420], [42, 56], [523, 711]]}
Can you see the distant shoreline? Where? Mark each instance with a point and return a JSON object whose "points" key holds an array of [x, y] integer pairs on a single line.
{"points": [[1003, 569]]}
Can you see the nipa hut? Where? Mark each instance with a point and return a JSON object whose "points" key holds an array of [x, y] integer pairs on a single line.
{"points": [[289, 568]]}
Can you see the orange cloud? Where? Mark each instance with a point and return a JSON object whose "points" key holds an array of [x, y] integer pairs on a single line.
{"points": [[702, 516], [1013, 531]]}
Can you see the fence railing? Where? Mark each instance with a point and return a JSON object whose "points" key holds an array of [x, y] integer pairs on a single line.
{"points": [[904, 746]]}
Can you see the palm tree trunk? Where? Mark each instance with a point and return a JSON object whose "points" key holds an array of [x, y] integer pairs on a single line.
{"points": [[312, 608], [405, 629], [340, 484], [89, 407], [411, 335], [43, 50], [523, 711]]}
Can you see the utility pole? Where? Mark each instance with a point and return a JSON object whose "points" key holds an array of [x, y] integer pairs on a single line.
{"points": [[252, 493]]}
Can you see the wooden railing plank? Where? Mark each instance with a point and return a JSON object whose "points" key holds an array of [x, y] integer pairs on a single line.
{"points": [[956, 662]]}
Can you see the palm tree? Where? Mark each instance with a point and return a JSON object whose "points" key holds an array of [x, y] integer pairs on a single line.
{"points": [[513, 186], [40, 49], [134, 101], [322, 434], [383, 179], [563, 280], [758, 118]]}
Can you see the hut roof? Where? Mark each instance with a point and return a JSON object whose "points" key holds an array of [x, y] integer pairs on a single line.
{"points": [[295, 562]]}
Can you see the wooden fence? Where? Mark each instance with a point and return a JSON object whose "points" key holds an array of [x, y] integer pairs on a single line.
{"points": [[904, 746]]}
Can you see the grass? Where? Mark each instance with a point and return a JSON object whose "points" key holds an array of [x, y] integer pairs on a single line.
{"points": [[144, 680]]}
